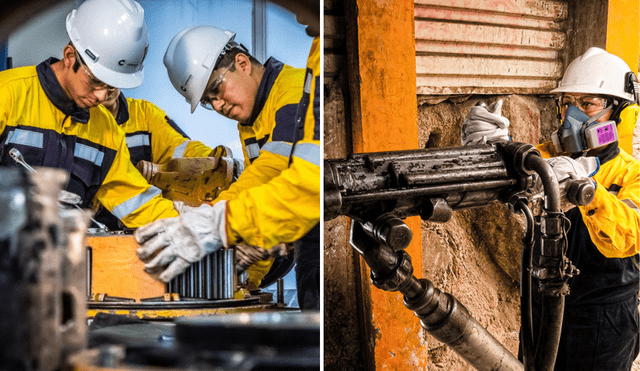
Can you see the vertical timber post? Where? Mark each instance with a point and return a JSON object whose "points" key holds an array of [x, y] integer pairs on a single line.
{"points": [[384, 118]]}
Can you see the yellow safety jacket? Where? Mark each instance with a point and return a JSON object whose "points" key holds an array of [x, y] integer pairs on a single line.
{"points": [[613, 217], [293, 194], [266, 139], [50, 130], [604, 236], [629, 118], [152, 135]]}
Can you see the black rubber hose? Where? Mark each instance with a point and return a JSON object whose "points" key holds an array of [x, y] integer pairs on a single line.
{"points": [[526, 320], [552, 306]]}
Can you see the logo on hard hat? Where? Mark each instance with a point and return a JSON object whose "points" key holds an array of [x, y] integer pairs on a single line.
{"points": [[121, 62], [184, 87]]}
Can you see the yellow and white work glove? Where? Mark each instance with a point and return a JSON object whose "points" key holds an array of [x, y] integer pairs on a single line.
{"points": [[169, 246], [567, 169], [484, 124]]}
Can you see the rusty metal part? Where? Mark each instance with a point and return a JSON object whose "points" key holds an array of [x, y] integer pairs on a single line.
{"points": [[193, 181], [425, 182]]}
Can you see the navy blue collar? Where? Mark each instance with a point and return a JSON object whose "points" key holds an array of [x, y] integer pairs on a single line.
{"points": [[123, 110], [272, 70], [608, 153], [57, 95]]}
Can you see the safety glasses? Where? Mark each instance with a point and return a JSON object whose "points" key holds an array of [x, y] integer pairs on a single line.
{"points": [[93, 82], [589, 104], [215, 88]]}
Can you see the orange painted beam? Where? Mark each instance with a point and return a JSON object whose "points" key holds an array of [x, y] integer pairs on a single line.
{"points": [[387, 121], [623, 31]]}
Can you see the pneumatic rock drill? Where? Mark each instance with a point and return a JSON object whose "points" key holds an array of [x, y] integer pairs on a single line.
{"points": [[378, 190]]}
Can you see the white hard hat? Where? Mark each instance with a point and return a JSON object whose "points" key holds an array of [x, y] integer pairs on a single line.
{"points": [[112, 39], [597, 72], [191, 58]]}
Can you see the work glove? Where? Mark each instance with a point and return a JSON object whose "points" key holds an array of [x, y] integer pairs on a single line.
{"points": [[68, 200], [483, 125], [169, 246], [568, 170], [246, 255]]}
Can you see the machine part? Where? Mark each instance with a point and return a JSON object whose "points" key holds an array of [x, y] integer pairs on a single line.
{"points": [[212, 278], [281, 266], [373, 188], [425, 182], [280, 289], [246, 341], [391, 231], [42, 271], [193, 181], [440, 314], [580, 192], [74, 275]]}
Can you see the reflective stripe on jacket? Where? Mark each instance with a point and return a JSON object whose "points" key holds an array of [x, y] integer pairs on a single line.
{"points": [[152, 135], [50, 130], [287, 205]]}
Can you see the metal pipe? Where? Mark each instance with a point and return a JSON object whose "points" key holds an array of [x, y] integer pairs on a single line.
{"points": [[215, 279], [207, 277], [440, 314], [89, 270], [446, 319], [280, 290], [426, 191], [228, 273]]}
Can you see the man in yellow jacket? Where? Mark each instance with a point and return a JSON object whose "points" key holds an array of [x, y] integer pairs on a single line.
{"points": [[150, 135], [598, 111], [271, 202], [51, 112]]}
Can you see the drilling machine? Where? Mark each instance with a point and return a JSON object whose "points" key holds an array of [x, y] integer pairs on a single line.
{"points": [[378, 190]]}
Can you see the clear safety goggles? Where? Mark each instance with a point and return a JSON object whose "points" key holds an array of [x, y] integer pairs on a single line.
{"points": [[589, 104], [94, 83], [215, 89]]}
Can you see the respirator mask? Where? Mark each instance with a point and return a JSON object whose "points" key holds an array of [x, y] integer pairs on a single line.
{"points": [[580, 133]]}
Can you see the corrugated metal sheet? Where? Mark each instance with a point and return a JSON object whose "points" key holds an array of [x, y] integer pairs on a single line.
{"points": [[488, 46]]}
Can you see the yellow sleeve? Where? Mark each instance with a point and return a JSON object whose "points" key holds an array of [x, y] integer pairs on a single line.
{"points": [[288, 206], [266, 167], [128, 196], [167, 139], [613, 220]]}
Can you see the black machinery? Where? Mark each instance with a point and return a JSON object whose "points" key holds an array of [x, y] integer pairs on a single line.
{"points": [[378, 190]]}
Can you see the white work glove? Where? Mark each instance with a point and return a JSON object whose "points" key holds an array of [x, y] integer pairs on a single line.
{"points": [[169, 246], [483, 125], [567, 169], [68, 199]]}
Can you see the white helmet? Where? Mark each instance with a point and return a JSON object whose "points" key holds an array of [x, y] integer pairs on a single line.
{"points": [[598, 72], [112, 39], [192, 56]]}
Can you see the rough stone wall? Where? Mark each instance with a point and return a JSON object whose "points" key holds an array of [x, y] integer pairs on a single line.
{"points": [[476, 255]]}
